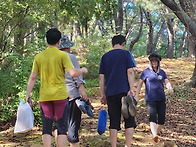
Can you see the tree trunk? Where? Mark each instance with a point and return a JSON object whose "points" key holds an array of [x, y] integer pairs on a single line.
{"points": [[111, 26], [193, 78], [188, 21], [183, 17], [192, 46], [149, 43], [78, 30], [119, 17], [170, 31], [182, 44], [139, 33], [72, 30], [159, 33], [86, 27], [101, 27]]}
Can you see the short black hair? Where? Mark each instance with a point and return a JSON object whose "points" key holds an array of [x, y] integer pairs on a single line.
{"points": [[155, 55], [53, 36], [118, 39]]}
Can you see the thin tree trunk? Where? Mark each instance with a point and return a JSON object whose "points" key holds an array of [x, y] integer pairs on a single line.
{"points": [[86, 27], [72, 30], [101, 28], [182, 44], [78, 30], [139, 33], [192, 46], [159, 33], [150, 46], [119, 17], [170, 32]]}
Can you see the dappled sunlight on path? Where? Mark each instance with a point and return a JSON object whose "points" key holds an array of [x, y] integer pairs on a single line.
{"points": [[180, 123]]}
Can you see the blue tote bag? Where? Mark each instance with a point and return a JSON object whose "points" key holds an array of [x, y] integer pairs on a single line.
{"points": [[102, 121]]}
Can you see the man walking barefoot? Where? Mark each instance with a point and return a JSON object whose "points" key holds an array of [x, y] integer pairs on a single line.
{"points": [[51, 64], [116, 79]]}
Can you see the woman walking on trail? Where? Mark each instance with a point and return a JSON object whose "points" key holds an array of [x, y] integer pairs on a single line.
{"points": [[155, 78]]}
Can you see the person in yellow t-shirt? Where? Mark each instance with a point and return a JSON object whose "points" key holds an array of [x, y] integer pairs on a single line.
{"points": [[51, 64]]}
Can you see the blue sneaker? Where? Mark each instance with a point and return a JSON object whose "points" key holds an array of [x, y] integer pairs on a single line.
{"points": [[81, 105], [89, 109]]}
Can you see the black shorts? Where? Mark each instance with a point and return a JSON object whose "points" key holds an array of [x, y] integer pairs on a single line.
{"points": [[114, 111], [156, 110], [74, 122], [59, 110]]}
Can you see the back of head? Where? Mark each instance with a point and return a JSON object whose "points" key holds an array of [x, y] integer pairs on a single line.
{"points": [[119, 39], [53, 36]]}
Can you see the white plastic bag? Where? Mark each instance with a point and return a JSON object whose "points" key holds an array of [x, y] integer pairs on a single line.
{"points": [[25, 118]]}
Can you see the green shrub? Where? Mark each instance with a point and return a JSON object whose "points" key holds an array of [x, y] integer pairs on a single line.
{"points": [[97, 46]]}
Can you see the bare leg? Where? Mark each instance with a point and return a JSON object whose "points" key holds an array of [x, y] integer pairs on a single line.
{"points": [[128, 136], [61, 140], [47, 140], [159, 128], [113, 137], [73, 144], [55, 135]]}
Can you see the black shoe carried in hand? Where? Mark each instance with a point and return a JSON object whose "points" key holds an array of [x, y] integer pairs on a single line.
{"points": [[124, 108], [128, 106], [132, 105]]}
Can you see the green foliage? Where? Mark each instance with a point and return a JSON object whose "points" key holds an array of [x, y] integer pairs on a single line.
{"points": [[14, 80], [37, 114], [92, 83], [97, 46], [92, 86], [8, 109]]}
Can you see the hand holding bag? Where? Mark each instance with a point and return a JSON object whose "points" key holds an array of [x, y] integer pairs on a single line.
{"points": [[25, 118], [102, 121]]}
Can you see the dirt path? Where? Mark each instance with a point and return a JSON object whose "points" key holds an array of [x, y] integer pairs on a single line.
{"points": [[180, 126], [179, 130]]}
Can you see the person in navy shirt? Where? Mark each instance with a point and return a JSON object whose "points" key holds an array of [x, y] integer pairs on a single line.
{"points": [[116, 79], [155, 78]]}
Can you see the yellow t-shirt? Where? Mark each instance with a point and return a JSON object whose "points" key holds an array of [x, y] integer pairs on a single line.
{"points": [[51, 65]]}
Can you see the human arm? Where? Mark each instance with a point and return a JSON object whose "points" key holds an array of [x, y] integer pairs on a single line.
{"points": [[83, 92], [139, 86], [131, 78], [78, 80], [30, 85], [75, 72], [168, 86], [102, 88]]}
